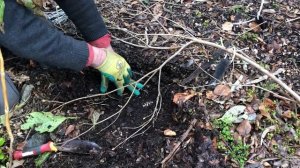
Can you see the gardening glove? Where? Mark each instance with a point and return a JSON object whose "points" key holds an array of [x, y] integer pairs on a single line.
{"points": [[117, 70]]}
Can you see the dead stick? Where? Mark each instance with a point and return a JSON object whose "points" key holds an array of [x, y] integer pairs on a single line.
{"points": [[176, 147], [6, 108], [253, 63], [229, 50]]}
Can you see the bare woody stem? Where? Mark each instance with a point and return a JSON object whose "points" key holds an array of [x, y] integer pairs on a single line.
{"points": [[6, 108]]}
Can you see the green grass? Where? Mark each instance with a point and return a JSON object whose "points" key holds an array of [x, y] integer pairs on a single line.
{"points": [[238, 9], [249, 36], [206, 23], [198, 13], [236, 150], [270, 85]]}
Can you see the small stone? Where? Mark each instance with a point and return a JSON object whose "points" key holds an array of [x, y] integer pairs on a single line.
{"points": [[277, 163], [285, 164], [266, 164]]}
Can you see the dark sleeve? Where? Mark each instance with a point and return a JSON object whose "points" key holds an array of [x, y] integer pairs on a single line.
{"points": [[85, 16], [30, 36]]}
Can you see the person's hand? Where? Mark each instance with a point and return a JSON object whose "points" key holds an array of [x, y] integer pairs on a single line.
{"points": [[117, 70]]}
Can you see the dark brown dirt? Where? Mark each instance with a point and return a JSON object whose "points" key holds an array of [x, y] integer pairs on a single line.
{"points": [[149, 148]]}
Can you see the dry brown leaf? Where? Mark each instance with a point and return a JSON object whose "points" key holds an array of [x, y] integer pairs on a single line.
{"points": [[287, 114], [266, 107], [210, 95], [215, 143], [249, 109], [255, 27], [244, 128], [17, 163], [69, 129], [157, 11], [222, 90], [208, 126], [21, 145], [183, 97], [169, 132], [227, 26]]}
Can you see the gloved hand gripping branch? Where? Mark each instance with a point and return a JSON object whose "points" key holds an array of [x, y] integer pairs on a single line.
{"points": [[114, 68], [117, 70]]}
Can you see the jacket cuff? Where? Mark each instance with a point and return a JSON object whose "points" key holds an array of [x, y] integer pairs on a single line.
{"points": [[102, 42]]}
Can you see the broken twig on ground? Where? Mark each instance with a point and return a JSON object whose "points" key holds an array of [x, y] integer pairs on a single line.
{"points": [[176, 147]]}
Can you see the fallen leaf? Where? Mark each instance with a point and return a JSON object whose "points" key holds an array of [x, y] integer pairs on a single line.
{"points": [[237, 137], [17, 163], [69, 129], [266, 107], [95, 117], [287, 114], [266, 131], [183, 97], [255, 27], [26, 94], [227, 26], [244, 128], [169, 132], [21, 145], [222, 90], [157, 11], [215, 143], [234, 114], [43, 121], [210, 95], [274, 47], [249, 109]]}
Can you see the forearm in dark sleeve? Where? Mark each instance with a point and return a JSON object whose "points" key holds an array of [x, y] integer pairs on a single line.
{"points": [[30, 36], [85, 16]]}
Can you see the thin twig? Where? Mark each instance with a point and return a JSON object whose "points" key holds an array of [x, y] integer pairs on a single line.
{"points": [[99, 122], [146, 46], [241, 56], [159, 96], [291, 20], [176, 147], [6, 109], [274, 94], [260, 9]]}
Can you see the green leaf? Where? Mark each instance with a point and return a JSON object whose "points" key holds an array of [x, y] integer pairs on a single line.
{"points": [[2, 141], [2, 6], [28, 4], [235, 113], [2, 156], [41, 159], [43, 121]]}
